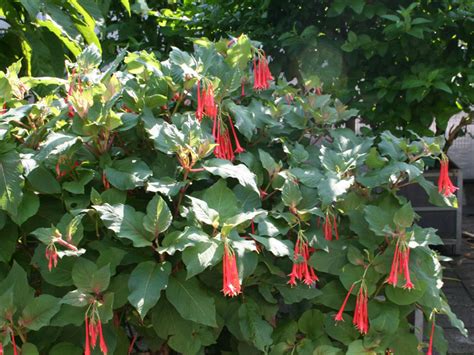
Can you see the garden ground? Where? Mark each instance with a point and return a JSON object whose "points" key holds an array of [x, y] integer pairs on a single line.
{"points": [[459, 289]]}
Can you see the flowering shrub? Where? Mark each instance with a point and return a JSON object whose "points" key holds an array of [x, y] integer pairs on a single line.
{"points": [[193, 205]]}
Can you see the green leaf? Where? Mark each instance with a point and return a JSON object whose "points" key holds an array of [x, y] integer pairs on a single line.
{"points": [[60, 33], [126, 223], [327, 350], [43, 181], [128, 173], [203, 212], [77, 298], [145, 285], [403, 296], [226, 169], [254, 329], [126, 5], [87, 277], [404, 217], [244, 119], [28, 207], [222, 199], [276, 246], [178, 241], [357, 348], [190, 300], [39, 312], [158, 217], [29, 349], [17, 280], [268, 163], [291, 194], [87, 28], [11, 182], [241, 218], [202, 255], [307, 321]]}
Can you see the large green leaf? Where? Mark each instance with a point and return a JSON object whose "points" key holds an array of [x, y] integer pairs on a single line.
{"points": [[158, 217], [11, 182], [125, 222], [254, 329], [128, 173], [226, 169], [190, 300], [145, 285], [39, 312]]}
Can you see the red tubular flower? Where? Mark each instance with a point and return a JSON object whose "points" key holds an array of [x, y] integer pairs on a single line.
{"points": [[261, 73], [238, 148], [360, 319], [102, 344], [94, 330], [2, 112], [105, 182], [15, 349], [51, 255], [430, 347], [301, 270], [329, 226], [1, 348], [231, 282], [199, 110], [400, 265], [445, 185], [87, 350], [338, 316]]}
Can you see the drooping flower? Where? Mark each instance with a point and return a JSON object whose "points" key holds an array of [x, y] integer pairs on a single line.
{"points": [[338, 316], [231, 282], [206, 105], [94, 331], [221, 134], [400, 265], [15, 349], [238, 148], [1, 348], [261, 73], [445, 185], [301, 270], [51, 255], [361, 320], [430, 346], [3, 111], [329, 225]]}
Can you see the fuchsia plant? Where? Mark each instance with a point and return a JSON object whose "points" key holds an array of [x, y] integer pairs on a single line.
{"points": [[155, 206]]}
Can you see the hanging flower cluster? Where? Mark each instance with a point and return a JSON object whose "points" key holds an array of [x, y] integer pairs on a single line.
{"points": [[445, 185], [94, 331], [329, 225], [231, 282], [400, 265], [51, 252], [301, 270], [430, 346], [221, 134], [206, 105], [360, 319], [65, 167], [75, 80], [12, 337], [261, 73]]}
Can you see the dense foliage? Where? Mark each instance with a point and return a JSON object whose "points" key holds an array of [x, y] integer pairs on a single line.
{"points": [[400, 63], [121, 227]]}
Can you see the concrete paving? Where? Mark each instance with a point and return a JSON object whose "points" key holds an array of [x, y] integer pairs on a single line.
{"points": [[459, 289]]}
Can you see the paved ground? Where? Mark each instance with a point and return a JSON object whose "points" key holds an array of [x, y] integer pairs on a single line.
{"points": [[459, 289]]}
